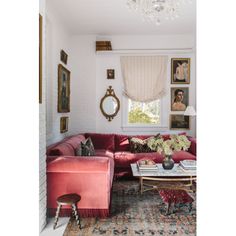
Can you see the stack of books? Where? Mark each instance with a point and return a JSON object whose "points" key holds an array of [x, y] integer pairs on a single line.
{"points": [[146, 165], [103, 46], [188, 164]]}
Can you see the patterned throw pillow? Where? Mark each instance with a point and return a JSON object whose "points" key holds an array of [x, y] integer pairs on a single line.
{"points": [[86, 148], [138, 145], [152, 142]]}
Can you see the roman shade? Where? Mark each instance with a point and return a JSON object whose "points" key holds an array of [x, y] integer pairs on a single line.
{"points": [[144, 77]]}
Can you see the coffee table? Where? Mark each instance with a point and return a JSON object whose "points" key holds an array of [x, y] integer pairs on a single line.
{"points": [[176, 178]]}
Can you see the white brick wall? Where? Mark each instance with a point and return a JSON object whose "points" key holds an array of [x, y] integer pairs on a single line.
{"points": [[42, 138]]}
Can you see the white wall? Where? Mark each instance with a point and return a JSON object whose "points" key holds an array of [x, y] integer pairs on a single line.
{"points": [[83, 84], [135, 45], [57, 38], [42, 135], [112, 61], [88, 77], [89, 83]]}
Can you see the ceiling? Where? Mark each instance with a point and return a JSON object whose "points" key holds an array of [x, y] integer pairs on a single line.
{"points": [[112, 17]]}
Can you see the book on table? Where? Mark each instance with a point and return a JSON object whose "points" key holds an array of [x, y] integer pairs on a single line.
{"points": [[148, 165], [188, 164]]}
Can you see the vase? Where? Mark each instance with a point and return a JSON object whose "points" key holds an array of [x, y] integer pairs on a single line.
{"points": [[168, 162]]}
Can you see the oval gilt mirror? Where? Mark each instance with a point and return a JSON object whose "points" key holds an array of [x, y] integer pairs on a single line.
{"points": [[110, 104]]}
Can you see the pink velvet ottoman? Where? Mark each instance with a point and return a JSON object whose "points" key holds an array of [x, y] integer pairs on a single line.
{"points": [[89, 177]]}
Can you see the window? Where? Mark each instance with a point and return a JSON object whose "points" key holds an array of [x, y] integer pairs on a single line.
{"points": [[141, 113]]}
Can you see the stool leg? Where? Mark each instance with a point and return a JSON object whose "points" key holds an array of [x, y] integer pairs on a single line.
{"points": [[76, 215], [57, 216]]}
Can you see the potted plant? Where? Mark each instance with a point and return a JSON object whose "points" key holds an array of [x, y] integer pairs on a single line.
{"points": [[168, 147]]}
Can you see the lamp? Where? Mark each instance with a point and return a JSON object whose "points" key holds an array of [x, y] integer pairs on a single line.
{"points": [[154, 10], [190, 111]]}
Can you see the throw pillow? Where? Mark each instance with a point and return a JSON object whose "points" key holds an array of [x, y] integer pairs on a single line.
{"points": [[138, 145], [86, 148], [152, 142]]}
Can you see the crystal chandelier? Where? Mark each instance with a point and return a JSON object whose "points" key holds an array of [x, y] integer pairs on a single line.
{"points": [[155, 10]]}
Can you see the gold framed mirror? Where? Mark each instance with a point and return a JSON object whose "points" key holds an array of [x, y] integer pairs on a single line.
{"points": [[110, 104]]}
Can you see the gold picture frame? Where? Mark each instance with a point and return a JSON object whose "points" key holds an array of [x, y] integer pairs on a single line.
{"points": [[40, 57], [179, 121], [180, 70], [64, 124], [63, 89], [179, 98]]}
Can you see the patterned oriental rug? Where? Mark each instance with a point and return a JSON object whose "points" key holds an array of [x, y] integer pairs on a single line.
{"points": [[134, 214]]}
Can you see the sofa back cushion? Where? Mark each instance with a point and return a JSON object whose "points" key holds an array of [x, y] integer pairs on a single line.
{"points": [[75, 140], [121, 142], [102, 141], [62, 149], [167, 136]]}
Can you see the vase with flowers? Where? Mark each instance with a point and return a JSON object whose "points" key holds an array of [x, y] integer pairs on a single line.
{"points": [[168, 147]]}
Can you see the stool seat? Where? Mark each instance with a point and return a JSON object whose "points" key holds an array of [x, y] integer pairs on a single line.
{"points": [[68, 199]]}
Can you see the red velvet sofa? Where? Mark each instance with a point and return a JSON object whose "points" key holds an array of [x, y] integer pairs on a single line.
{"points": [[91, 177]]}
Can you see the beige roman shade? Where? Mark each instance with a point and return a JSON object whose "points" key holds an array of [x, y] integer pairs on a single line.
{"points": [[144, 77]]}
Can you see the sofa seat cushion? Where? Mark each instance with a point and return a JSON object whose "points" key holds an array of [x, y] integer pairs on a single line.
{"points": [[62, 149], [124, 159], [70, 164], [102, 141], [75, 141], [103, 152]]}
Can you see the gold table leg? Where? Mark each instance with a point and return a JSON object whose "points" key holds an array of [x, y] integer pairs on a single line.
{"points": [[141, 184]]}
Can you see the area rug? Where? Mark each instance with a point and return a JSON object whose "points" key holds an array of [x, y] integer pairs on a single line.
{"points": [[134, 214]]}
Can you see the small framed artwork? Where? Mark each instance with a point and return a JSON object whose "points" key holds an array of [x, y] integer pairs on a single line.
{"points": [[64, 124], [110, 74], [179, 98], [64, 56], [63, 89], [179, 122], [180, 70], [40, 57]]}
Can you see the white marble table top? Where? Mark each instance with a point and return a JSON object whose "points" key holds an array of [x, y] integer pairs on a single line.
{"points": [[177, 171]]}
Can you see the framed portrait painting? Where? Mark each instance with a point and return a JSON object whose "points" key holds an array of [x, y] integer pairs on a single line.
{"points": [[180, 70], [64, 124], [110, 74], [179, 98], [63, 89], [179, 122]]}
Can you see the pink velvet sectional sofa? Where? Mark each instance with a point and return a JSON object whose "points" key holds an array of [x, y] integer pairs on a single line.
{"points": [[91, 176]]}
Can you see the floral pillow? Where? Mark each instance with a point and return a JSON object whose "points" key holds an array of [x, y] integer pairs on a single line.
{"points": [[86, 148], [138, 145]]}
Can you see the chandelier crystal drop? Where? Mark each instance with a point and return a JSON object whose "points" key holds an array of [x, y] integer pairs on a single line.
{"points": [[155, 10]]}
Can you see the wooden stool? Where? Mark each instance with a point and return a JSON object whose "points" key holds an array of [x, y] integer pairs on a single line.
{"points": [[68, 199]]}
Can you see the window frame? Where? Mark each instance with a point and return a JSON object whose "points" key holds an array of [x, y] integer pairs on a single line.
{"points": [[142, 127]]}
